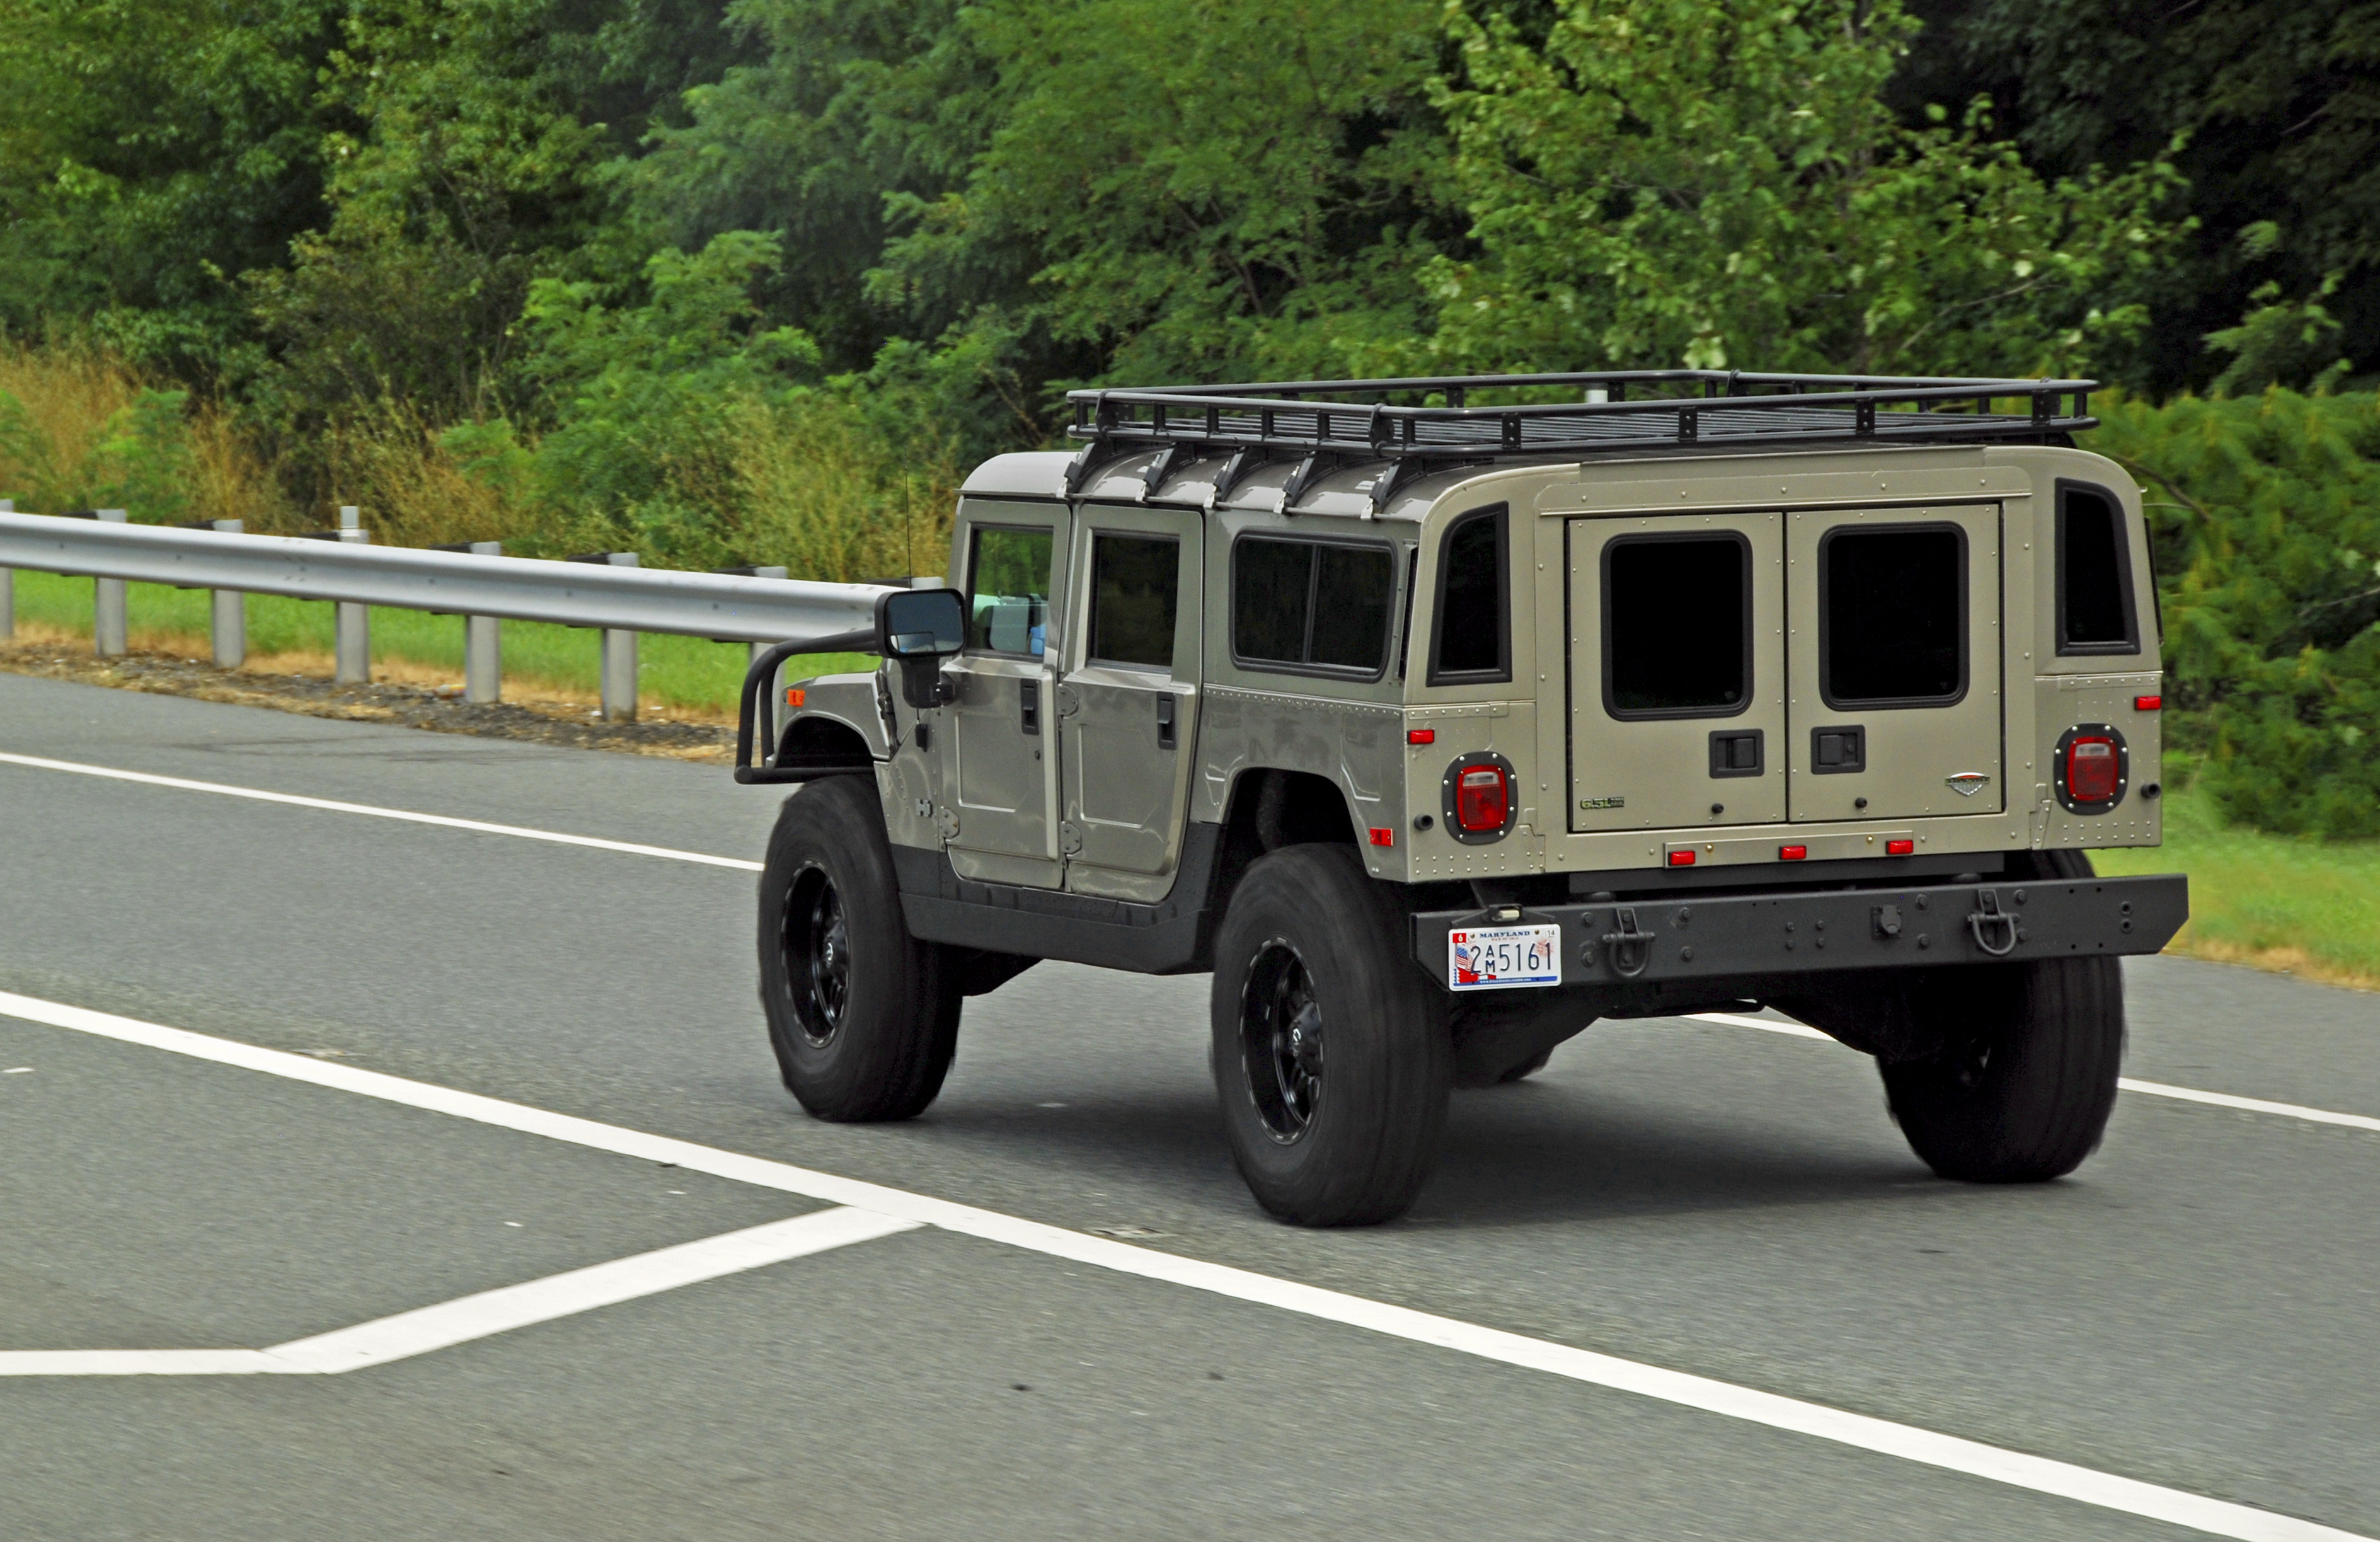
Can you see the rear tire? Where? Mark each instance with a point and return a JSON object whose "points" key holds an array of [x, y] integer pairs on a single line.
{"points": [[2023, 1089], [864, 1018], [1332, 1055]]}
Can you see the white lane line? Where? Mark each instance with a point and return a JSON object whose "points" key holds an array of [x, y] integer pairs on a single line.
{"points": [[487, 1313], [583, 1290], [2150, 1089], [1794, 1030], [371, 811], [1948, 1452], [2252, 1105]]}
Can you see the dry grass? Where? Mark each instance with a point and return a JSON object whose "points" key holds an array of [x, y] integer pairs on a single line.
{"points": [[817, 494]]}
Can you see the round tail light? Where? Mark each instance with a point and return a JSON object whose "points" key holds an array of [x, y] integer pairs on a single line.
{"points": [[1483, 795]]}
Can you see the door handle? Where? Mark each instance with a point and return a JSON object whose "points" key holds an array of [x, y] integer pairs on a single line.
{"points": [[1028, 706], [1165, 720]]}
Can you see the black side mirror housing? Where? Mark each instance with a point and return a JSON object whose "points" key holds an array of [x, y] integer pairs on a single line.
{"points": [[918, 628]]}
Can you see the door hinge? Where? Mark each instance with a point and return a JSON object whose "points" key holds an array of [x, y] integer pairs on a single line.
{"points": [[1070, 840]]}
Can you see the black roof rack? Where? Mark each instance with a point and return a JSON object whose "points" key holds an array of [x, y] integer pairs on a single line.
{"points": [[1324, 424]]}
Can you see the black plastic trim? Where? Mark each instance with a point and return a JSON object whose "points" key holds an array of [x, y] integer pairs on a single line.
{"points": [[1172, 936], [1756, 946]]}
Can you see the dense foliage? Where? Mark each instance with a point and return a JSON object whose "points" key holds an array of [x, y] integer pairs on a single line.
{"points": [[735, 281]]}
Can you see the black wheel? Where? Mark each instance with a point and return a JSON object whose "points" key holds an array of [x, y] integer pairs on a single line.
{"points": [[1332, 1055], [864, 1018], [2022, 1091]]}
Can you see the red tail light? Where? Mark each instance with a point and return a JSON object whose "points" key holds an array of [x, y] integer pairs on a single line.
{"points": [[1901, 848], [1681, 859], [2147, 703], [2091, 771], [1483, 796], [1421, 735], [1792, 853], [1384, 837]]}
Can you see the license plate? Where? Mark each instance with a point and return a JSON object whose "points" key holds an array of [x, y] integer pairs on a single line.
{"points": [[1495, 958]]}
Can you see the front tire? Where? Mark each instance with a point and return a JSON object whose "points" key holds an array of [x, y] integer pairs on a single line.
{"points": [[1333, 1056], [864, 1018]]}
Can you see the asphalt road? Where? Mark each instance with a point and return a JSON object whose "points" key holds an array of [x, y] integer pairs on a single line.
{"points": [[2195, 1308]]}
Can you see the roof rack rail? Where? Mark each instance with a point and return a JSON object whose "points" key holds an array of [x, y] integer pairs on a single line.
{"points": [[1327, 423]]}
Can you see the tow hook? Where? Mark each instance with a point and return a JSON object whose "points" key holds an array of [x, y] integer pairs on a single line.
{"points": [[1630, 950], [1991, 921]]}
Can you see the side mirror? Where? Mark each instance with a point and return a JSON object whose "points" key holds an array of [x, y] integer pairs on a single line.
{"points": [[918, 628], [921, 624]]}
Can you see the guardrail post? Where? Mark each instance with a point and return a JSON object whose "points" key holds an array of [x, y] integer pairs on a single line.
{"points": [[228, 624], [353, 629], [619, 653], [483, 644], [109, 621], [8, 587]]}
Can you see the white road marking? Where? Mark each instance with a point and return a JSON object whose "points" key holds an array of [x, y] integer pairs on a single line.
{"points": [[371, 811], [487, 1313], [1860, 1431], [2150, 1089], [1731, 1019], [1767, 1024]]}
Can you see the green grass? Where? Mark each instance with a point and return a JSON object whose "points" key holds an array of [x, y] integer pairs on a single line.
{"points": [[2280, 902], [680, 673]]}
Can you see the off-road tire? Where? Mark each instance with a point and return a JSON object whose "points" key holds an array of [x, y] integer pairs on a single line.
{"points": [[864, 1024], [1358, 1147], [2022, 1091]]}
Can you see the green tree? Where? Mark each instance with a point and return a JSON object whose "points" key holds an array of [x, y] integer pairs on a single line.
{"points": [[2267, 512], [2278, 102], [1720, 183], [151, 151]]}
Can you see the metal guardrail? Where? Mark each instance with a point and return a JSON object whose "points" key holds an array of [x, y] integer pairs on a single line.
{"points": [[345, 571]]}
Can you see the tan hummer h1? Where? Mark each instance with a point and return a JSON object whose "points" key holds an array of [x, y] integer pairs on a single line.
{"points": [[1436, 730]]}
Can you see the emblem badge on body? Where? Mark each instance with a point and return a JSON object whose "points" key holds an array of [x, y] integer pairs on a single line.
{"points": [[1967, 783]]}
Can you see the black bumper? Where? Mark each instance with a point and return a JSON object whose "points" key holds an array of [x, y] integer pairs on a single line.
{"points": [[1684, 947]]}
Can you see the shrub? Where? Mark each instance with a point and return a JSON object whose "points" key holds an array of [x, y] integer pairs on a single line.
{"points": [[2267, 514]]}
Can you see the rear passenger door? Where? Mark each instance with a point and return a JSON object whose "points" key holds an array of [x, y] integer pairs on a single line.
{"points": [[1128, 702], [1896, 663], [1677, 671]]}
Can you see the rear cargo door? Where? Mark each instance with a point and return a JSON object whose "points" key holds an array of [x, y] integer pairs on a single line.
{"points": [[1896, 663], [1677, 671]]}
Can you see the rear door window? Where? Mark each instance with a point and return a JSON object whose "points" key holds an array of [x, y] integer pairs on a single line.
{"points": [[1892, 616], [1136, 581], [1311, 606], [1677, 626]]}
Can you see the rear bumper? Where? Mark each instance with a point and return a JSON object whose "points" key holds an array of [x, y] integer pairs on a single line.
{"points": [[1683, 946]]}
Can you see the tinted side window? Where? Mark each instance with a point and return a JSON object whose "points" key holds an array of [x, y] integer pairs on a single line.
{"points": [[1008, 579], [1892, 616], [1473, 640], [2095, 579], [1272, 582], [1677, 626], [1304, 604], [1351, 606], [1134, 583]]}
